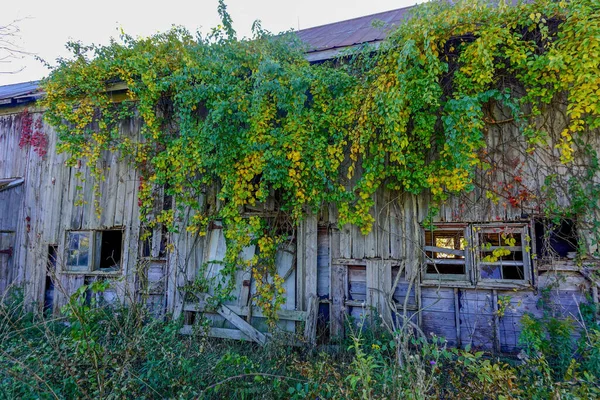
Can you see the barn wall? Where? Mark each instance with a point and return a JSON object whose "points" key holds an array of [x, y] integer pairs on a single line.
{"points": [[48, 210], [344, 271]]}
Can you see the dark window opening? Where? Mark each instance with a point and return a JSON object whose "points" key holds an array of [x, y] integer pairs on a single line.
{"points": [[164, 240], [146, 242], [555, 239], [445, 251], [111, 246], [87, 281], [49, 282], [146, 245]]}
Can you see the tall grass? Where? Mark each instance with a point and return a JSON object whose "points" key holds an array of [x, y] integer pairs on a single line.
{"points": [[94, 351]]}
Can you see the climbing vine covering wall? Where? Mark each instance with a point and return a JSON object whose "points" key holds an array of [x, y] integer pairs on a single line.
{"points": [[252, 119]]}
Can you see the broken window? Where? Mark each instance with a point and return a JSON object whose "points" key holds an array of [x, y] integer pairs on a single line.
{"points": [[109, 246], [94, 250], [446, 253], [78, 251], [486, 252], [503, 251], [49, 283], [555, 239]]}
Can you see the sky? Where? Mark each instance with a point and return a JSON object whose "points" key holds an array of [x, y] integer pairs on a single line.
{"points": [[47, 25]]}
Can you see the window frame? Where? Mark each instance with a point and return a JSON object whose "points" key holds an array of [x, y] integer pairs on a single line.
{"points": [[94, 252], [473, 260], [68, 249], [466, 276], [526, 262]]}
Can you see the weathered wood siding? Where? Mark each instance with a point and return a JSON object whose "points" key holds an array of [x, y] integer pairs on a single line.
{"points": [[327, 266], [43, 209]]}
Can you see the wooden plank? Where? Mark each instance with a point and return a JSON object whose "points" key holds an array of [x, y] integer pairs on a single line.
{"points": [[457, 316], [445, 250], [243, 311], [371, 237], [338, 294], [238, 322], [323, 258], [383, 222], [221, 333], [310, 328], [346, 242], [396, 230], [310, 257], [285, 262], [358, 242], [496, 321]]}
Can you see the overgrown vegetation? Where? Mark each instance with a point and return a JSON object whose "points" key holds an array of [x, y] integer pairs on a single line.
{"points": [[243, 121], [101, 352]]}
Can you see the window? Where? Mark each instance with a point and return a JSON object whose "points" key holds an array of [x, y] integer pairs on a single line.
{"points": [[491, 253], [555, 239], [446, 252], [78, 250], [94, 250], [503, 252]]}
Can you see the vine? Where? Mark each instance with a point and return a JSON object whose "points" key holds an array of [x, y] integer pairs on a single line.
{"points": [[32, 134], [252, 120]]}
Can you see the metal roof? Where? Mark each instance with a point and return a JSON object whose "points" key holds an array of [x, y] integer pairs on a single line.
{"points": [[19, 93], [327, 41], [324, 42]]}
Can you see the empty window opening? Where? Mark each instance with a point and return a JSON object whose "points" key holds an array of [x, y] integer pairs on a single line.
{"points": [[111, 246], [555, 238], [49, 282], [445, 251], [148, 242]]}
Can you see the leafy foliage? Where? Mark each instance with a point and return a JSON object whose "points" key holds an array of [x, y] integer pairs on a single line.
{"points": [[251, 120]]}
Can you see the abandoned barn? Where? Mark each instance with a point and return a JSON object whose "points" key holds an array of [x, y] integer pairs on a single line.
{"points": [[469, 274]]}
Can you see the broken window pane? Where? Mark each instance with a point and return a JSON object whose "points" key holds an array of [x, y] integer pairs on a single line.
{"points": [[445, 250], [502, 251], [78, 250], [556, 238]]}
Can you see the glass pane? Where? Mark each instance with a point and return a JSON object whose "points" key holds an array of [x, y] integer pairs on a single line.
{"points": [[491, 272], [78, 250]]}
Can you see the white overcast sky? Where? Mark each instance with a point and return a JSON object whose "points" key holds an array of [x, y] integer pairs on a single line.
{"points": [[46, 25]]}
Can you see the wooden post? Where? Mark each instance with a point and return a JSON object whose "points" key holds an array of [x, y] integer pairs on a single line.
{"points": [[307, 259], [457, 317], [496, 321], [337, 290]]}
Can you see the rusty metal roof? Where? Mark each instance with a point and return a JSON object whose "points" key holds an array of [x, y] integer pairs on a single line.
{"points": [[326, 41]]}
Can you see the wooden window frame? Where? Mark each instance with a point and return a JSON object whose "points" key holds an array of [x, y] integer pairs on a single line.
{"points": [[94, 251], [465, 277], [523, 230]]}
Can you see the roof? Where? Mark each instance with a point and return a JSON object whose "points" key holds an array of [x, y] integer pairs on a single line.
{"points": [[324, 42], [19, 93], [327, 41]]}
